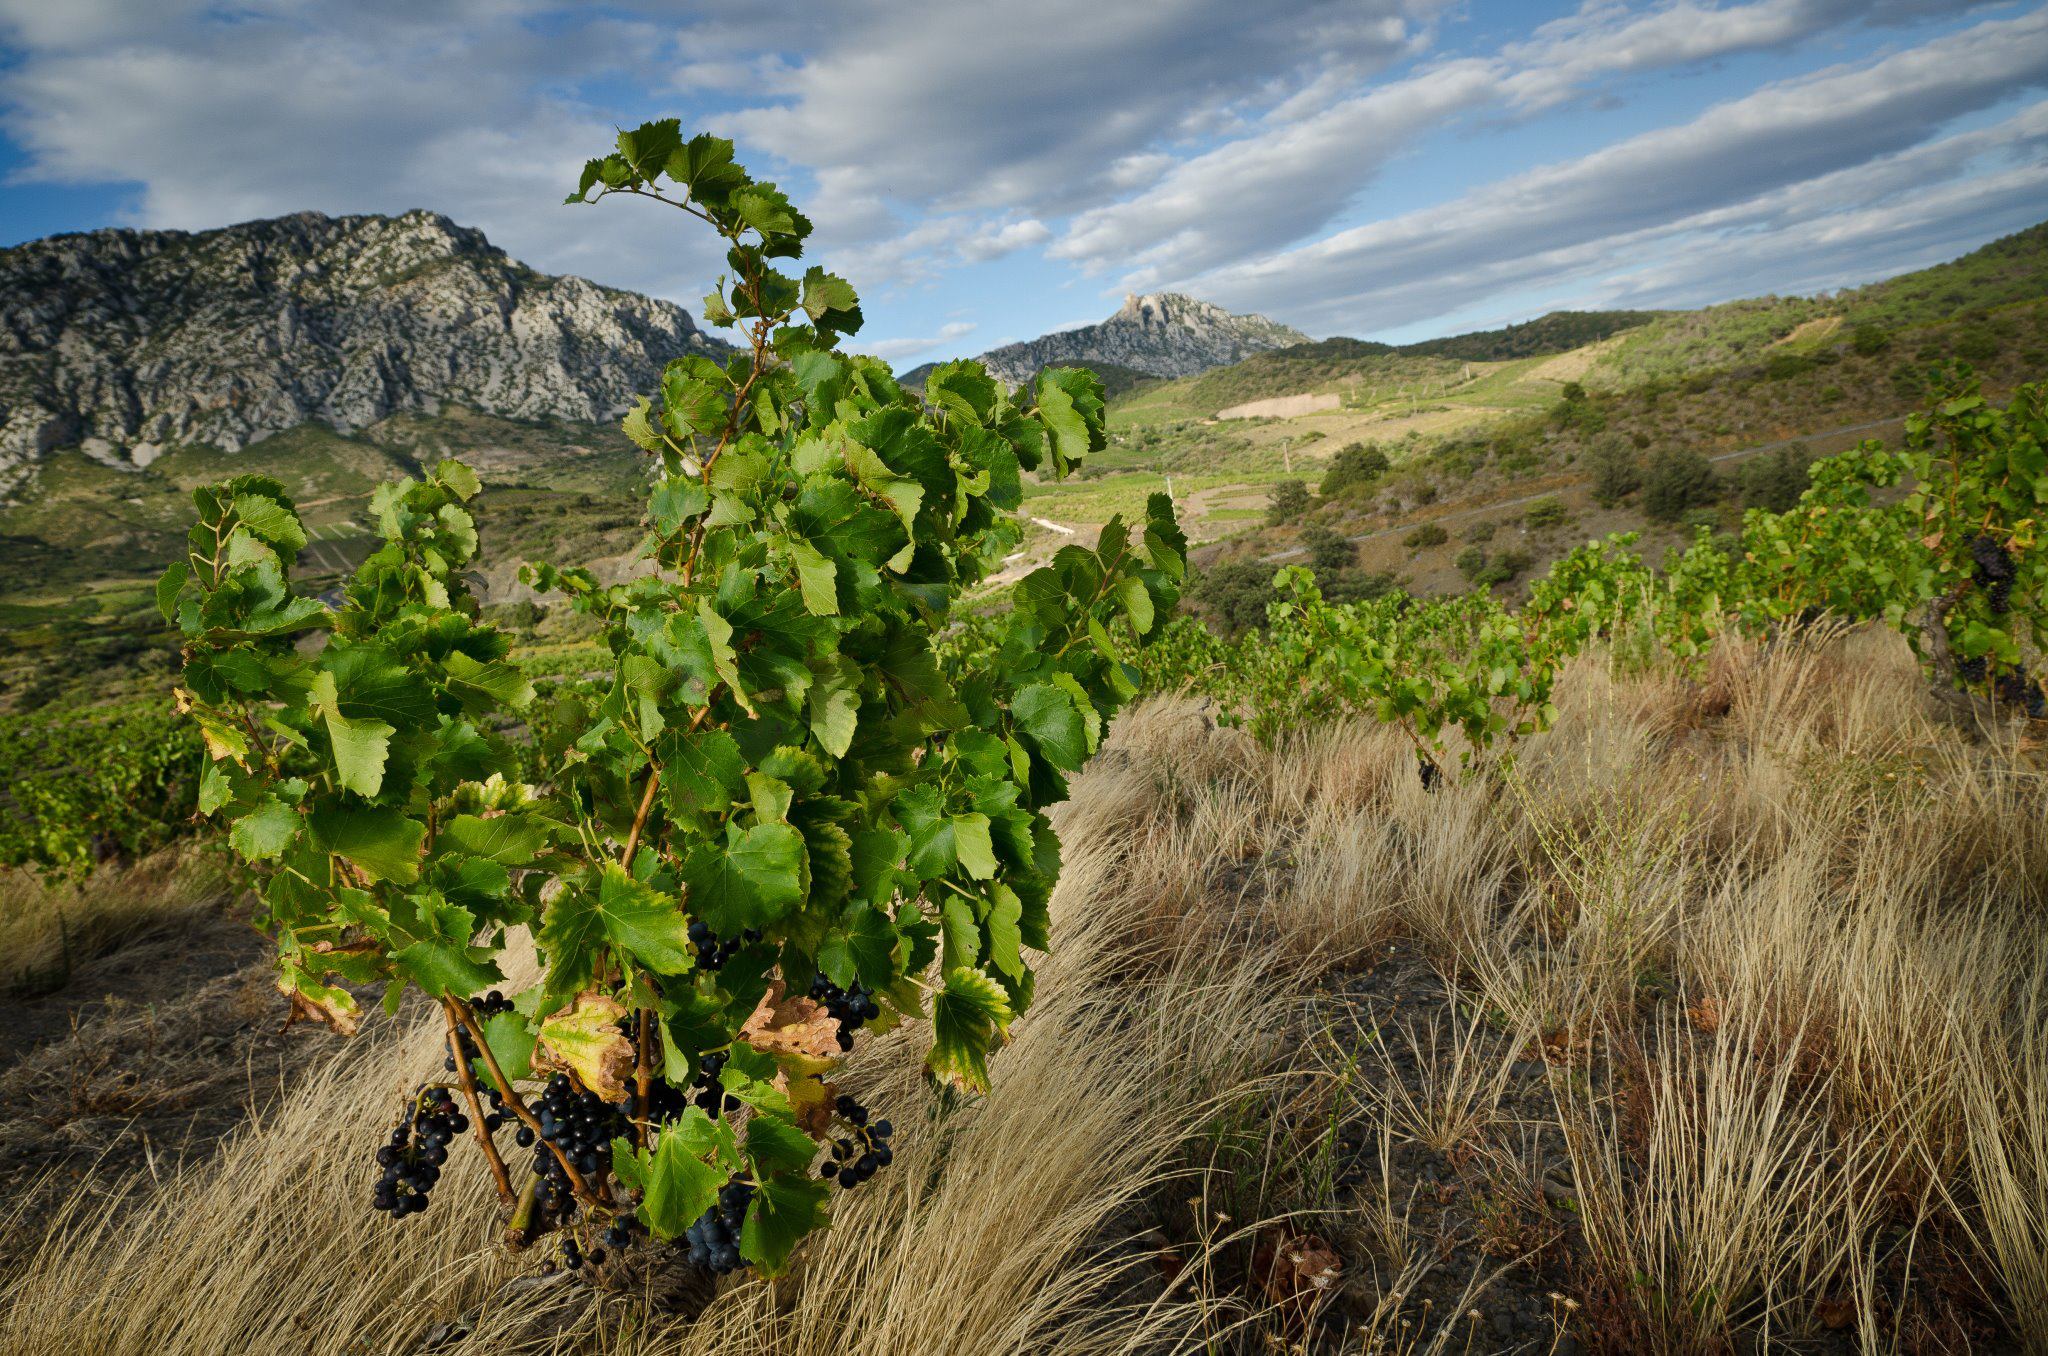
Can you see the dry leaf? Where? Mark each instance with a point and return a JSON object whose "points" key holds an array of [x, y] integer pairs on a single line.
{"points": [[792, 1026], [334, 1008], [1297, 1272]]}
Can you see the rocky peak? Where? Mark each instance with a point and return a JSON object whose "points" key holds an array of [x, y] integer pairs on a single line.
{"points": [[1165, 334], [124, 343]]}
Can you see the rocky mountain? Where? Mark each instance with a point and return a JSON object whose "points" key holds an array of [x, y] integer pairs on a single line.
{"points": [[125, 343], [1164, 334]]}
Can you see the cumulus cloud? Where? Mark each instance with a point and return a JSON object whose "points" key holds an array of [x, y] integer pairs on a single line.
{"points": [[370, 107], [1204, 144]]}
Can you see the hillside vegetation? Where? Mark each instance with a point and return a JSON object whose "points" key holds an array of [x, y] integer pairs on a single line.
{"points": [[838, 906], [1723, 1015]]}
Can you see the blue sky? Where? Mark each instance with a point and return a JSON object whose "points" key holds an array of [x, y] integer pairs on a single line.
{"points": [[988, 171]]}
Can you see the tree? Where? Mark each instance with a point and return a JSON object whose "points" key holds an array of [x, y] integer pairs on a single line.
{"points": [[1677, 479], [1288, 501], [1354, 466], [1616, 472]]}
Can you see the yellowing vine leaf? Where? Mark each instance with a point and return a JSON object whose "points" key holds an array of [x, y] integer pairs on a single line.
{"points": [[585, 1040]]}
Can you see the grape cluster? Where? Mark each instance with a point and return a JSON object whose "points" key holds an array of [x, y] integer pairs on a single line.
{"points": [[490, 1005], [1428, 771], [2014, 686], [573, 1255], [850, 1007], [411, 1159], [1995, 571], [714, 1237], [713, 951], [859, 1155], [581, 1125], [1973, 670], [707, 1092]]}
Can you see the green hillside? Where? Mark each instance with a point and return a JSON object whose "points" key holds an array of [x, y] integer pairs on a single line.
{"points": [[1473, 428], [1558, 332]]}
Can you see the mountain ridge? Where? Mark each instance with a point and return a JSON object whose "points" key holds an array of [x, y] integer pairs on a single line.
{"points": [[1155, 334], [125, 342]]}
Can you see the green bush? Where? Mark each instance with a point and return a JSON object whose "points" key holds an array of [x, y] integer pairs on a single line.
{"points": [[1615, 470], [1484, 571], [1677, 479], [1977, 344], [1783, 366], [1870, 340], [1352, 468], [1549, 511], [1429, 534], [1480, 532], [1359, 586], [1775, 480], [1236, 594], [1328, 551], [1288, 501]]}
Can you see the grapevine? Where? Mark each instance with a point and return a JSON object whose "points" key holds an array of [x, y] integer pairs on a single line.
{"points": [[778, 820], [1939, 539]]}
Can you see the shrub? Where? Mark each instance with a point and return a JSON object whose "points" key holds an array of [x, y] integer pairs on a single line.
{"points": [[1484, 571], [1783, 366], [1359, 586], [1977, 344], [1775, 480], [1870, 340], [1480, 532], [1236, 593], [1288, 501], [1616, 473], [1328, 551], [1549, 511], [1578, 413], [1354, 466], [1677, 479], [1429, 534]]}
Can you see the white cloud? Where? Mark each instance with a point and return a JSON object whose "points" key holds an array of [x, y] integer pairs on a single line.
{"points": [[895, 350], [1312, 156], [1031, 106], [1728, 169], [1196, 143], [372, 107]]}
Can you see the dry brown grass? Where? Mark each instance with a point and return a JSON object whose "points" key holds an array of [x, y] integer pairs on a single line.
{"points": [[996, 1230], [1774, 929], [49, 926]]}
